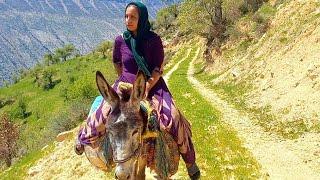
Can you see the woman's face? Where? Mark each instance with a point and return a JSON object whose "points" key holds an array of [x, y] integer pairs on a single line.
{"points": [[132, 18]]}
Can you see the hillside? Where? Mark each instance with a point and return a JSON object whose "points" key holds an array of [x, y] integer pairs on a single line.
{"points": [[275, 79], [29, 29], [43, 113], [254, 110], [279, 73]]}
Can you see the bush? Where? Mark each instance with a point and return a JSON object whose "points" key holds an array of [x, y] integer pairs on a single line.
{"points": [[20, 111], [71, 79], [61, 123], [262, 17], [64, 93], [79, 110], [8, 139], [81, 89], [66, 121], [45, 79], [6, 101]]}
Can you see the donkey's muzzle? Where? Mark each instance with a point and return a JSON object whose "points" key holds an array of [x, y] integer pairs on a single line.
{"points": [[121, 174]]}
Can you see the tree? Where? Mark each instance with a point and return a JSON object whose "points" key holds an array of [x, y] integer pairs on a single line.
{"points": [[48, 80], [50, 59], [104, 48], [204, 18], [166, 17], [45, 79], [65, 52], [8, 136]]}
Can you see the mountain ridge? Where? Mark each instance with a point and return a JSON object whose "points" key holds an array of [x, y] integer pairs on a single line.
{"points": [[29, 29]]}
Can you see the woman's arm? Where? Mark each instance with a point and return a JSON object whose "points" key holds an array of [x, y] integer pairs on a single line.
{"points": [[116, 55], [157, 56], [155, 76]]}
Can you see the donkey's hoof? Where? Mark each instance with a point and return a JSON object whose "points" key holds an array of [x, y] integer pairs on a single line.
{"points": [[194, 172], [195, 176]]}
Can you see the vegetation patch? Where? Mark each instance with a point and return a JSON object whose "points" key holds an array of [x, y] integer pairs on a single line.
{"points": [[52, 98], [219, 151]]}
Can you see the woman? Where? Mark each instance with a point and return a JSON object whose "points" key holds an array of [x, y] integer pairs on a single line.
{"points": [[140, 48]]}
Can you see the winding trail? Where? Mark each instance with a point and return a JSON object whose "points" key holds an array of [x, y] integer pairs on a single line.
{"points": [[175, 67], [273, 154]]}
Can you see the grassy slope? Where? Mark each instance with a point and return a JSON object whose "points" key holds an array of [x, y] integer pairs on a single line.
{"points": [[36, 130], [219, 151]]}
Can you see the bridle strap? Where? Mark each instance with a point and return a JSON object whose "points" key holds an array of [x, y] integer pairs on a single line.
{"points": [[136, 153]]}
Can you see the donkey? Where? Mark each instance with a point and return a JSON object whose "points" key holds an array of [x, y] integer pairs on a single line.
{"points": [[127, 128]]}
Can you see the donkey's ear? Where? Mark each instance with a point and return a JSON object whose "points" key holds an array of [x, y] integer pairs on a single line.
{"points": [[108, 93], [139, 88]]}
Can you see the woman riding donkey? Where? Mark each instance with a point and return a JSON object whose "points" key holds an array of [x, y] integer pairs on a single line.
{"points": [[141, 49]]}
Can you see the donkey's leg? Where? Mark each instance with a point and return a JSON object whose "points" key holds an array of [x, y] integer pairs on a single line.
{"points": [[140, 168]]}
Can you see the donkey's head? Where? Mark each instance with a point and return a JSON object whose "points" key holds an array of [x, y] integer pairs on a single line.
{"points": [[126, 124]]}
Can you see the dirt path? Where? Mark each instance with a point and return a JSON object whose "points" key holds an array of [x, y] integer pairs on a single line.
{"points": [[175, 67], [277, 159]]}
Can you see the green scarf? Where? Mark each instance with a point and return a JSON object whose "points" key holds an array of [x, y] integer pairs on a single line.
{"points": [[135, 42]]}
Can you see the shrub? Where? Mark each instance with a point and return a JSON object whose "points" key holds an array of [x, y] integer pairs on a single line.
{"points": [[45, 79], [61, 123], [262, 17], [6, 101], [79, 110], [8, 139], [81, 89], [20, 111], [70, 119]]}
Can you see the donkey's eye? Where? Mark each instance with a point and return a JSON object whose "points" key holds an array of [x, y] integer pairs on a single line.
{"points": [[134, 132]]}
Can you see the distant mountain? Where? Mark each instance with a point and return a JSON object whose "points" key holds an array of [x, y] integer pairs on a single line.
{"points": [[30, 28]]}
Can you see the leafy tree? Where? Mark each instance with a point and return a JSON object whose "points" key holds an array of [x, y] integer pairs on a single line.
{"points": [[45, 79], [50, 59], [8, 136], [166, 16], [65, 52], [104, 48], [204, 18]]}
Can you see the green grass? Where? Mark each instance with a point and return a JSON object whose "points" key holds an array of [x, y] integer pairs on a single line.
{"points": [[36, 130], [175, 59], [220, 154]]}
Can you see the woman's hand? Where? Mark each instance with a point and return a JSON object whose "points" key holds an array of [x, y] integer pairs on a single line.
{"points": [[146, 93], [155, 76]]}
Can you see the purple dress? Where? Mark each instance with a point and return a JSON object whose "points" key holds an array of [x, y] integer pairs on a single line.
{"points": [[170, 118]]}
